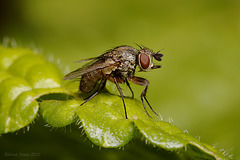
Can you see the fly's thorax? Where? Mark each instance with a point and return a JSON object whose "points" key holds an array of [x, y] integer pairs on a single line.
{"points": [[127, 65], [126, 58]]}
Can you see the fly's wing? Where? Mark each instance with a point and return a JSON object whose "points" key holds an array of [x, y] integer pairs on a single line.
{"points": [[97, 63], [83, 60]]}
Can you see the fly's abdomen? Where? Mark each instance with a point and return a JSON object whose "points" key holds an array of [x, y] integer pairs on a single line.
{"points": [[89, 80]]}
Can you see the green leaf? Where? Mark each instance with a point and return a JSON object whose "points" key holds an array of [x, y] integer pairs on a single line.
{"points": [[162, 134], [29, 82], [24, 77], [59, 113], [105, 124], [9, 55]]}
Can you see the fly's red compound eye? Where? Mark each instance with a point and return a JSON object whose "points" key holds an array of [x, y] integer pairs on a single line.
{"points": [[144, 61]]}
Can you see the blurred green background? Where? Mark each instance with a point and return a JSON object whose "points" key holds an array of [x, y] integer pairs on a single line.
{"points": [[199, 84]]}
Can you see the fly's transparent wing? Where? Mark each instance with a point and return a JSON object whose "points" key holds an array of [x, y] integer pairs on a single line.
{"points": [[83, 60], [91, 66]]}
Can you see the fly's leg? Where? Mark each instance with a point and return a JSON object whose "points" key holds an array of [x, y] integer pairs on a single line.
{"points": [[142, 82], [130, 88], [100, 87], [120, 91], [114, 80]]}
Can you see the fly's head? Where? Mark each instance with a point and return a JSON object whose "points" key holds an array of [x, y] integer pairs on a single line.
{"points": [[145, 59]]}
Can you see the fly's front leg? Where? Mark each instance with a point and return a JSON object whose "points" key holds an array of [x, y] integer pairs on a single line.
{"points": [[142, 82]]}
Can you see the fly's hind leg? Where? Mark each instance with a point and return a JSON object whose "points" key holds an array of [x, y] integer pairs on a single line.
{"points": [[100, 87], [142, 82]]}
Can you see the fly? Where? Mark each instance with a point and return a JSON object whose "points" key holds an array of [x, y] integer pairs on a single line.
{"points": [[117, 65]]}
